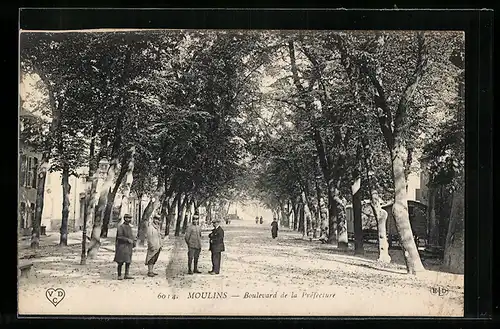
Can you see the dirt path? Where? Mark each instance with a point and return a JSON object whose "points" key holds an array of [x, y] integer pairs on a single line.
{"points": [[300, 277]]}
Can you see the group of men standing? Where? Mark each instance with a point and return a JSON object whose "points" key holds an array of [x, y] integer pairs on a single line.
{"points": [[193, 241], [126, 242]]}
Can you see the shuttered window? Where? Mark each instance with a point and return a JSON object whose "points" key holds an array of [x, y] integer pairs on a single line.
{"points": [[32, 215], [22, 214], [34, 168], [28, 167], [22, 170], [29, 173]]}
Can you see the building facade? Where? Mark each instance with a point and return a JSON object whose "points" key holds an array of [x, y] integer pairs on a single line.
{"points": [[28, 162], [53, 198]]}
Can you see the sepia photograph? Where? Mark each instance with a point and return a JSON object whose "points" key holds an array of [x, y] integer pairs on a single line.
{"points": [[167, 172]]}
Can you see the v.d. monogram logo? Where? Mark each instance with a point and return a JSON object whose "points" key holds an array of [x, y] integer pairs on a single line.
{"points": [[55, 296]]}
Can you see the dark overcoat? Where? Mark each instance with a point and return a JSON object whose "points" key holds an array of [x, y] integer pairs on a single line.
{"points": [[274, 229], [124, 244], [217, 240]]}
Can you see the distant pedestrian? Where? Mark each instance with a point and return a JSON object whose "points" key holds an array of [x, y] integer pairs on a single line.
{"points": [[155, 243], [216, 246], [261, 220], [274, 228], [256, 219], [125, 243], [193, 241], [324, 236]]}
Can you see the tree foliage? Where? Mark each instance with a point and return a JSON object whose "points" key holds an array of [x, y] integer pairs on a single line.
{"points": [[286, 118]]}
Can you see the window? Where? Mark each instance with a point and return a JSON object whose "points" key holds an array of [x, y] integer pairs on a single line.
{"points": [[29, 173], [32, 215], [34, 163], [22, 215], [22, 170]]}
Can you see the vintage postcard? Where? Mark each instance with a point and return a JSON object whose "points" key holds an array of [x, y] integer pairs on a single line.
{"points": [[241, 173]]}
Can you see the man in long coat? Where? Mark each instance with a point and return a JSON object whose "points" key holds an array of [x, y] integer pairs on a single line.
{"points": [[274, 228], [125, 243], [193, 241], [155, 244], [216, 246]]}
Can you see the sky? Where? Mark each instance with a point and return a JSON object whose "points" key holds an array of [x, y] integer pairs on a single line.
{"points": [[32, 95]]}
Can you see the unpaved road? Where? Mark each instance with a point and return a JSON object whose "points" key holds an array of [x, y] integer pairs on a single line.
{"points": [[289, 276]]}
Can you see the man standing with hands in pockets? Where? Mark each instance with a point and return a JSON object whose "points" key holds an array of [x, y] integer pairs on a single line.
{"points": [[216, 246], [193, 240]]}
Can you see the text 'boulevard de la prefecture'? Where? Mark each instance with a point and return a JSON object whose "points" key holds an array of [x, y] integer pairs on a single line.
{"points": [[249, 295]]}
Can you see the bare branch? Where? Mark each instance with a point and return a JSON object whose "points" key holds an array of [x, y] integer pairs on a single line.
{"points": [[411, 87]]}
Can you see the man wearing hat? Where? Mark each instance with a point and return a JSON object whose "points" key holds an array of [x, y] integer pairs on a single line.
{"points": [[216, 246], [125, 242], [155, 244], [274, 228], [193, 240]]}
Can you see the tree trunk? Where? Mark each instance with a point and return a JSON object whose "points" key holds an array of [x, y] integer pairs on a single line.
{"points": [[112, 192], [143, 223], [181, 205], [358, 224], [44, 165], [306, 201], [332, 216], [187, 216], [321, 209], [163, 211], [383, 244], [342, 236], [170, 214], [302, 219], [108, 212], [66, 187], [90, 197], [313, 211], [129, 178], [168, 224], [209, 212], [400, 211], [90, 200], [139, 198], [289, 215], [185, 222], [229, 204], [323, 213], [379, 213], [285, 220], [454, 248], [295, 216], [431, 214], [153, 204], [40, 194], [95, 241], [381, 218], [83, 256]]}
